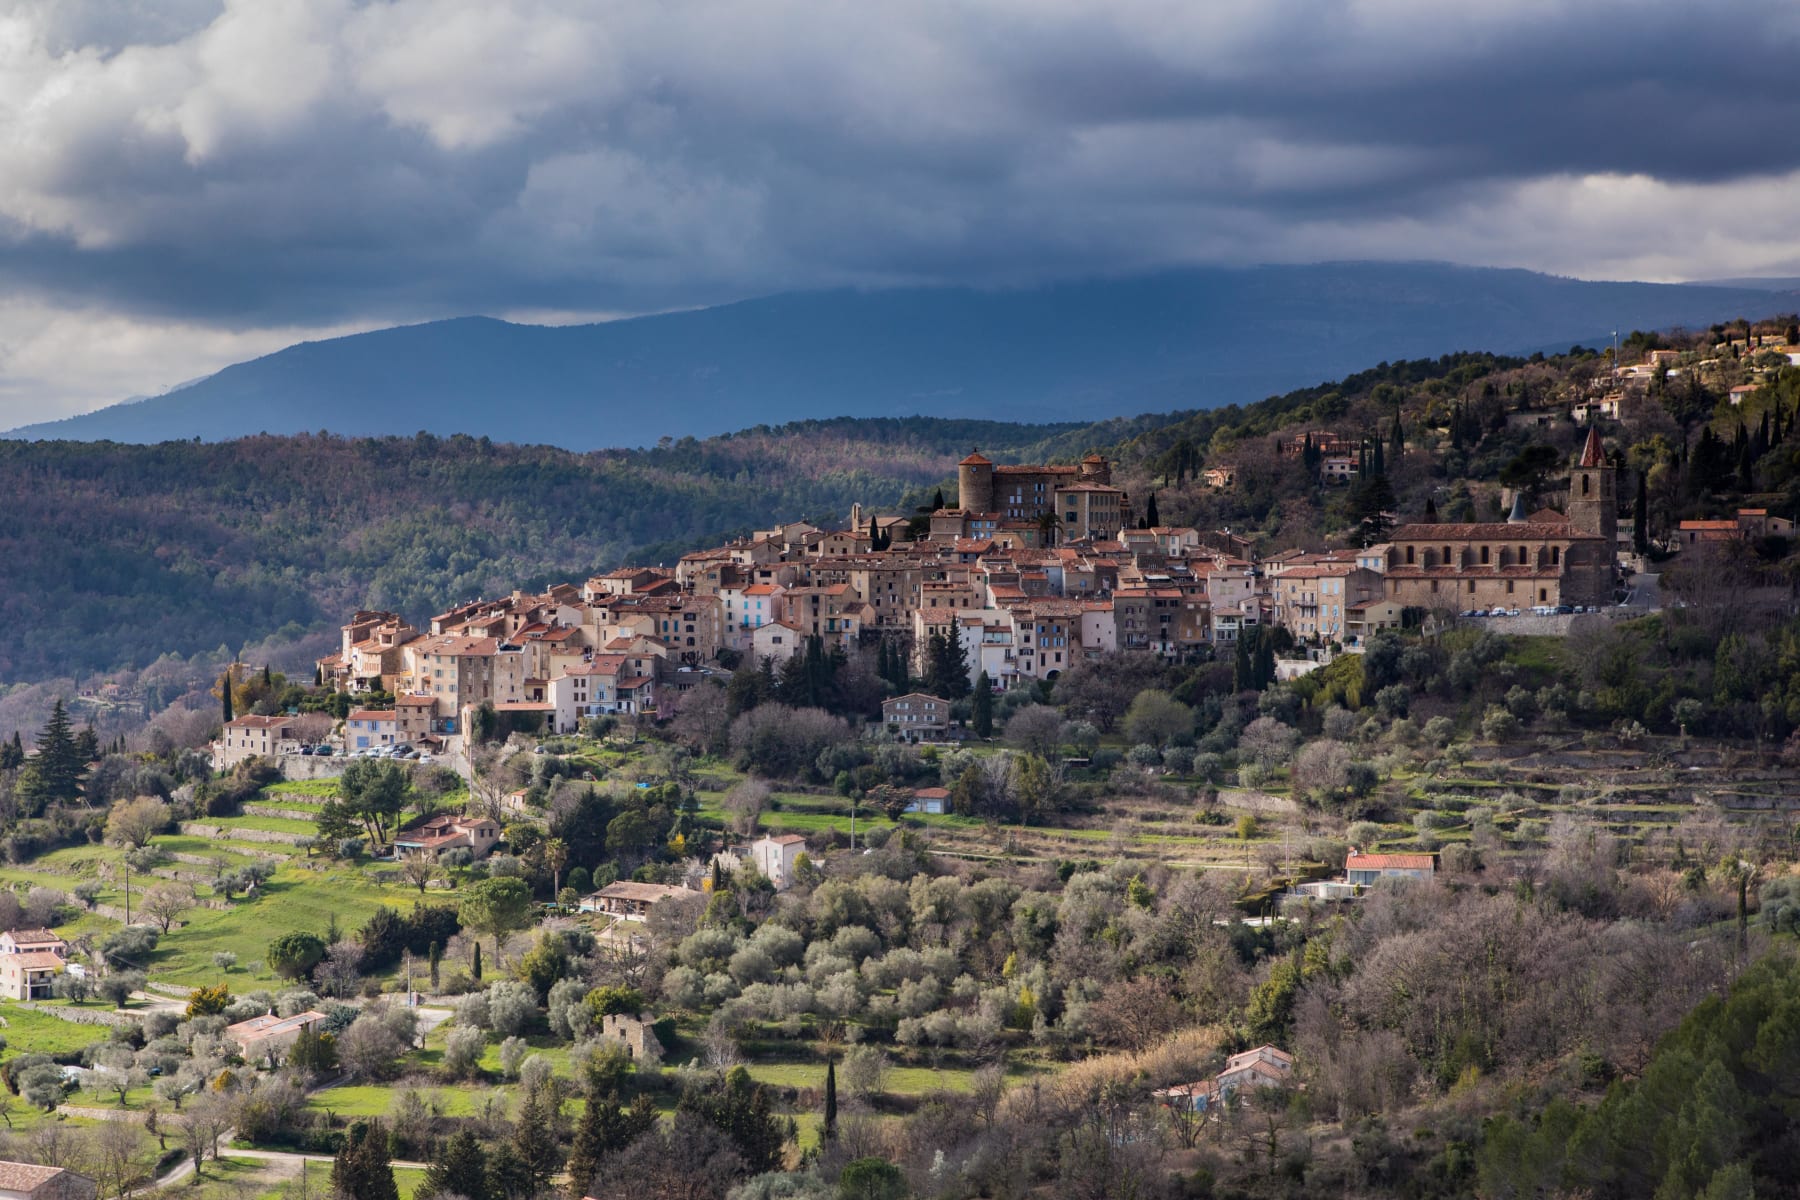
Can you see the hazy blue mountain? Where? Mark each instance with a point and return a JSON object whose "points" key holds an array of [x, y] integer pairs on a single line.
{"points": [[1070, 351]]}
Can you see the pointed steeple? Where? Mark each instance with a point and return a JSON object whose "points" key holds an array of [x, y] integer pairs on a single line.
{"points": [[1517, 517], [1593, 454]]}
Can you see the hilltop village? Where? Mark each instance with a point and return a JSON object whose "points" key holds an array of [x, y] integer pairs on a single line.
{"points": [[1031, 570]]}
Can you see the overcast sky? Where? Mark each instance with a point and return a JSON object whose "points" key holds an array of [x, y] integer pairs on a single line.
{"points": [[187, 183]]}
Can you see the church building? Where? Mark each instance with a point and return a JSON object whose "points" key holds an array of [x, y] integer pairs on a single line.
{"points": [[1545, 558]]}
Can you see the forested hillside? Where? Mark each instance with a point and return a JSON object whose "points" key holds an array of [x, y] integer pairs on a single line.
{"points": [[115, 555]]}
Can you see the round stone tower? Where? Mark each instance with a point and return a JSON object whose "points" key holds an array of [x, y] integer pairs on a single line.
{"points": [[975, 484], [1095, 469]]}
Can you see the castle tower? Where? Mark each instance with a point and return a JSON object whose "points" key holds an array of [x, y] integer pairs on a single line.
{"points": [[1593, 492], [1095, 469], [975, 484]]}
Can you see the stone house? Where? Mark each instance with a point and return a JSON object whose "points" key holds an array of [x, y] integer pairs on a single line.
{"points": [[915, 715], [634, 1033]]}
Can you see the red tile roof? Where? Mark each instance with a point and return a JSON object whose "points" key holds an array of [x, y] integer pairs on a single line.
{"points": [[1390, 862], [1593, 454]]}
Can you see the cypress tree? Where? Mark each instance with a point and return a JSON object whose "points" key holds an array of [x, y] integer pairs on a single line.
{"points": [[1640, 516], [1397, 438], [225, 681], [1151, 517], [981, 708], [435, 957], [475, 962], [268, 680], [829, 1131], [937, 500]]}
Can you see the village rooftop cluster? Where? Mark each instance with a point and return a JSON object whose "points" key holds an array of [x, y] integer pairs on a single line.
{"points": [[1033, 569]]}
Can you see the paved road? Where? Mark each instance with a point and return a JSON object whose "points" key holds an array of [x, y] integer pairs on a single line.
{"points": [[185, 1167]]}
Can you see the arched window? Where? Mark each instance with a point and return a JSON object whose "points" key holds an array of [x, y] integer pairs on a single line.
{"points": [[1584, 484]]}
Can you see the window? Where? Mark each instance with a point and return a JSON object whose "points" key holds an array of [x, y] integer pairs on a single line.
{"points": [[1484, 556], [1471, 587], [1509, 587], [1409, 556], [1584, 485]]}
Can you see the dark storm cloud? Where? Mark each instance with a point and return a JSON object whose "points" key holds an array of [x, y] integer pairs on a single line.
{"points": [[254, 163]]}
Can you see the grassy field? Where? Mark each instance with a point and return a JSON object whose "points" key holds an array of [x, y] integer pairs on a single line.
{"points": [[265, 824], [294, 899], [314, 789], [368, 1100], [29, 1032]]}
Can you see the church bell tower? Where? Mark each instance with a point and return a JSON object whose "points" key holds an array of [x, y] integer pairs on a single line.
{"points": [[1594, 494]]}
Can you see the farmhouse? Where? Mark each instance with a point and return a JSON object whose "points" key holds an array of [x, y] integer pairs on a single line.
{"points": [[434, 835], [269, 1034], [630, 901], [29, 960], [1365, 869], [29, 1181]]}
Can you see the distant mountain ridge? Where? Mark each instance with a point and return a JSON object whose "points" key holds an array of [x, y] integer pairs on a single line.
{"points": [[1083, 351]]}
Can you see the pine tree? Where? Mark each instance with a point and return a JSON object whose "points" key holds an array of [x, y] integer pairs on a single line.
{"points": [[59, 765], [87, 743], [460, 1169], [534, 1141], [363, 1169], [828, 1132], [981, 708], [507, 1178]]}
